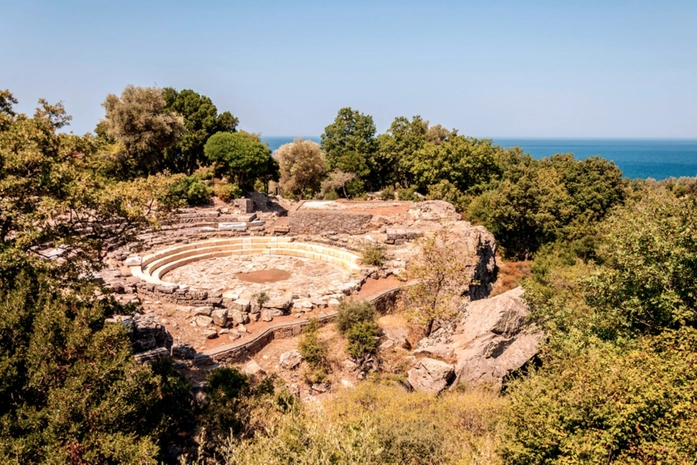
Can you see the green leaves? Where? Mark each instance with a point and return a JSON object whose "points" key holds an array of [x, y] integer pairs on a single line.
{"points": [[648, 278], [241, 155]]}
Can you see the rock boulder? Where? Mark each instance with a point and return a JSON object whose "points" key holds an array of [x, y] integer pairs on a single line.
{"points": [[490, 341], [431, 375]]}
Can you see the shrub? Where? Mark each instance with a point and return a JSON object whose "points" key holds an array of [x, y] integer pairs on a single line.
{"points": [[228, 192], [632, 403], [312, 348], [350, 313], [372, 253], [387, 193], [408, 194], [363, 338], [331, 195], [191, 189]]}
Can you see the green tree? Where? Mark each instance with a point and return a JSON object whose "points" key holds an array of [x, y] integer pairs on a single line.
{"points": [[467, 163], [242, 156], [140, 121], [647, 280], [302, 166], [50, 196], [396, 148], [201, 120], [350, 145]]}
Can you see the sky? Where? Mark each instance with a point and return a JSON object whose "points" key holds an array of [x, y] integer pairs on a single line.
{"points": [[605, 69]]}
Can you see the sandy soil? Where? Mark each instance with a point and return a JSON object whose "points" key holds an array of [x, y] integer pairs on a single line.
{"points": [[264, 276]]}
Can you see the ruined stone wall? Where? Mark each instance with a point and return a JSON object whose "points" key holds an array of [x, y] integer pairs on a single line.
{"points": [[316, 223]]}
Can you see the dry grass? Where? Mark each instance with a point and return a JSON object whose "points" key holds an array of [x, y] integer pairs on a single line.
{"points": [[510, 275]]}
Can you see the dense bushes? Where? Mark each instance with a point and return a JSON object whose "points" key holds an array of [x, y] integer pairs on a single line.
{"points": [[629, 403], [193, 190]]}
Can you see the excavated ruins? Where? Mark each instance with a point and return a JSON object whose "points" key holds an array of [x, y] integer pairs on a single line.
{"points": [[226, 280]]}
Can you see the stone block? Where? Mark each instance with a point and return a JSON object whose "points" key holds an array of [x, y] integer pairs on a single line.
{"points": [[219, 317], [203, 311], [203, 321], [239, 317]]}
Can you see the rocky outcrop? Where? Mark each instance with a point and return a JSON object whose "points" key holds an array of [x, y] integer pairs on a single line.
{"points": [[489, 342], [431, 375], [150, 339], [434, 210]]}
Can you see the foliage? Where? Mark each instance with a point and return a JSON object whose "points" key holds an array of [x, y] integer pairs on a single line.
{"points": [[363, 338], [336, 180], [648, 278], [191, 189], [372, 253], [608, 403], [228, 192], [50, 196], [70, 389], [201, 120], [445, 190], [141, 122], [302, 166], [378, 424], [397, 147], [350, 313], [227, 389], [242, 157], [559, 198], [387, 193], [467, 163], [331, 195], [350, 145], [311, 347], [439, 277], [407, 194]]}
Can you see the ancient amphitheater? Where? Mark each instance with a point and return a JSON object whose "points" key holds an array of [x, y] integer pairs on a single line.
{"points": [[226, 280]]}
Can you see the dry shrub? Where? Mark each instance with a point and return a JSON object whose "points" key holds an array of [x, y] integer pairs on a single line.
{"points": [[379, 424]]}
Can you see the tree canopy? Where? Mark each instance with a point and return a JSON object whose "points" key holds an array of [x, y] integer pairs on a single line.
{"points": [[302, 166], [241, 156], [201, 120], [141, 122]]}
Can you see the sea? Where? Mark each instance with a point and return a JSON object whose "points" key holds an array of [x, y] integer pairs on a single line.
{"points": [[637, 158]]}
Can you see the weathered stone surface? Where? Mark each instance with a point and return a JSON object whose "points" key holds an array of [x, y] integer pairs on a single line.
{"points": [[203, 321], [219, 317], [211, 333], [252, 368], [396, 337], [148, 334], [151, 355], [240, 317], [266, 316], [316, 222], [291, 359], [134, 261], [431, 375], [242, 305], [434, 210], [234, 226], [491, 341], [203, 311]]}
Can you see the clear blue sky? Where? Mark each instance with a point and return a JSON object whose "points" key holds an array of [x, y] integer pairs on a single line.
{"points": [[517, 69]]}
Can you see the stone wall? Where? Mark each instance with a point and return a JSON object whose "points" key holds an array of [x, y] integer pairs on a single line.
{"points": [[316, 223]]}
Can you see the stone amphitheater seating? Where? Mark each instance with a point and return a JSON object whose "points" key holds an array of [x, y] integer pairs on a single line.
{"points": [[154, 266]]}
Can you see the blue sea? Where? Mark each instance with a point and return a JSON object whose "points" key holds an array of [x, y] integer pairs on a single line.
{"points": [[637, 158]]}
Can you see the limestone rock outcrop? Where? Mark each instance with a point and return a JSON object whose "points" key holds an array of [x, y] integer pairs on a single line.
{"points": [[431, 375], [489, 342]]}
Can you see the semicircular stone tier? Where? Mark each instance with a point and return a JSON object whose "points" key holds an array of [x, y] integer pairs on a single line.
{"points": [[318, 268]]}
